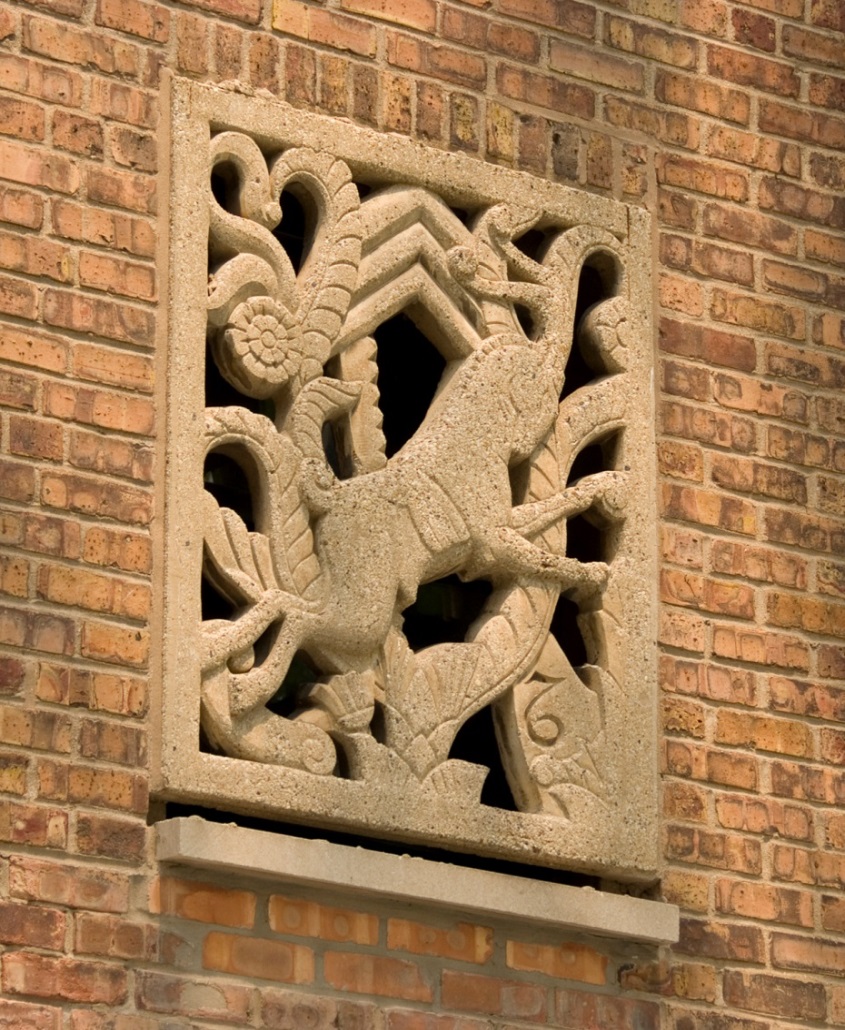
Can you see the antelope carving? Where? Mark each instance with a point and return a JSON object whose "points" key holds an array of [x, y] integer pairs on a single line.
{"points": [[332, 563]]}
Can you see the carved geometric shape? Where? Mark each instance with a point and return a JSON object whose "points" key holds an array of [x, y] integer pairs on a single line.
{"points": [[514, 526]]}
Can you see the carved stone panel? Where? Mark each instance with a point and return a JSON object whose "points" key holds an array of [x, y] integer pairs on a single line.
{"points": [[408, 503]]}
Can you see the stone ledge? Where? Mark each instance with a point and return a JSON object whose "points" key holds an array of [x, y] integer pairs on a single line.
{"points": [[195, 842]]}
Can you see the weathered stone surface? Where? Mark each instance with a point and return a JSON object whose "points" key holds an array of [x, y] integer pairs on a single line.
{"points": [[344, 595]]}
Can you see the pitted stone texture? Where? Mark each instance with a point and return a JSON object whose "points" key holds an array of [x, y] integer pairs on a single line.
{"points": [[289, 684]]}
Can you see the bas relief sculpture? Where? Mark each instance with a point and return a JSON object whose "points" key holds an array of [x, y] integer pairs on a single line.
{"points": [[295, 568]]}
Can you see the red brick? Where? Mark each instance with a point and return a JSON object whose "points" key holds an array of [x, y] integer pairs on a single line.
{"points": [[91, 496], [129, 191], [725, 598], [553, 93], [708, 509], [310, 919], [64, 978], [677, 209], [13, 767], [827, 14], [39, 730], [137, 150], [764, 901], [112, 457], [804, 783], [25, 1016], [710, 345], [248, 11], [204, 902], [648, 41], [575, 1009], [70, 45], [105, 836], [32, 629], [40, 79], [111, 937], [114, 367], [34, 825], [741, 393], [227, 49], [87, 314], [188, 996], [764, 816], [18, 298], [78, 134], [117, 549], [463, 122], [102, 272], [587, 63], [678, 979], [758, 563], [697, 94], [47, 535], [482, 33], [35, 438], [716, 850], [681, 461], [146, 20], [761, 648], [21, 119], [106, 642], [576, 19], [301, 76], [755, 30], [62, 883], [430, 111], [802, 124], [807, 613], [701, 177], [747, 69], [707, 259], [754, 313], [814, 47], [123, 102], [463, 942], [791, 199], [21, 208], [564, 961], [365, 94], [469, 992], [371, 974], [415, 14], [100, 691], [103, 408], [758, 478], [396, 103], [407, 1019], [32, 926], [723, 941], [437, 61], [777, 996], [684, 801], [257, 957]]}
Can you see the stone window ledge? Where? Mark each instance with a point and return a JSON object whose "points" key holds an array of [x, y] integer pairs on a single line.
{"points": [[323, 865]]}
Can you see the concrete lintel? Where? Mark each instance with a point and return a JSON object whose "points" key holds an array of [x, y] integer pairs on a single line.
{"points": [[195, 842]]}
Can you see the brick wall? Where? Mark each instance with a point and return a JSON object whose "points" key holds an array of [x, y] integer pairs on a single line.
{"points": [[727, 120]]}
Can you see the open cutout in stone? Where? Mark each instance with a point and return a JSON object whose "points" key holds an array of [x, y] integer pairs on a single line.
{"points": [[446, 452]]}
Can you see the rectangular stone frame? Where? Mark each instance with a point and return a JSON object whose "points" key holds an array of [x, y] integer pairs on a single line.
{"points": [[619, 839]]}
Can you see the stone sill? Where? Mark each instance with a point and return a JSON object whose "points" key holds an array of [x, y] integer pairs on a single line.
{"points": [[319, 864]]}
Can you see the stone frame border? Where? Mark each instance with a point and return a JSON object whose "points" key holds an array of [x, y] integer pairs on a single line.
{"points": [[625, 845]]}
